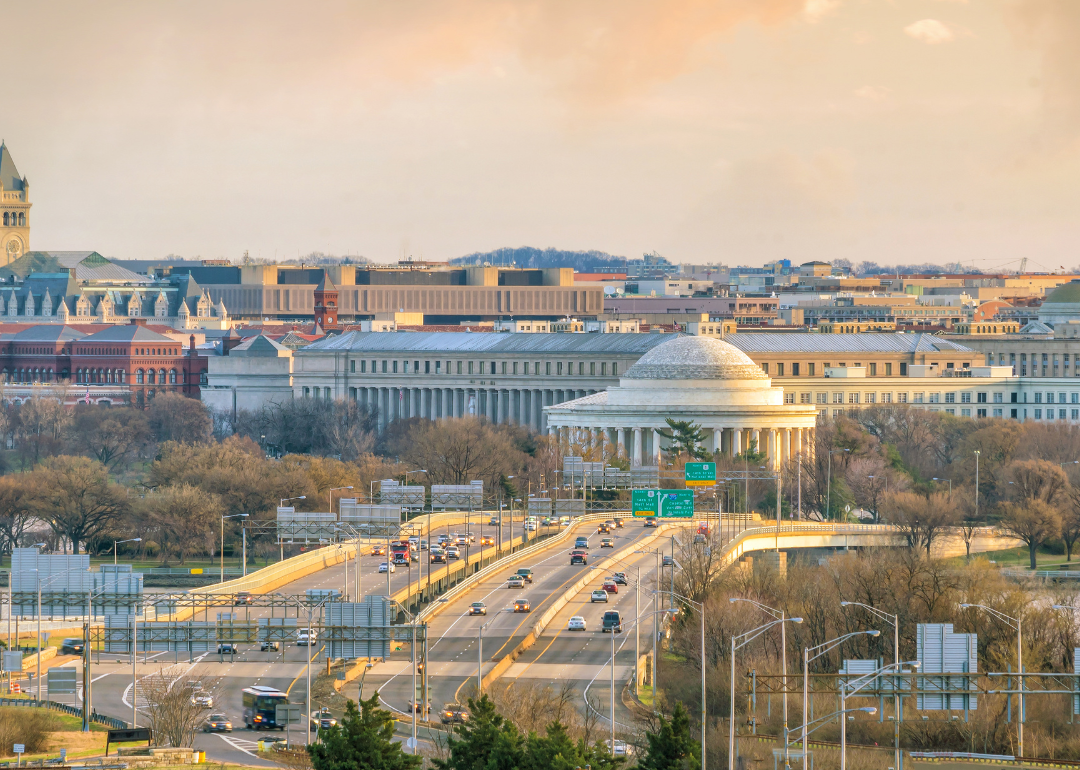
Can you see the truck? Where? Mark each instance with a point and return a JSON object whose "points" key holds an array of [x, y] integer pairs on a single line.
{"points": [[403, 552]]}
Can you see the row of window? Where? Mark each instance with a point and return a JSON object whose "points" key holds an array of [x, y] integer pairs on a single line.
{"points": [[93, 376], [120, 352], [14, 219], [810, 369], [1014, 414], [510, 368], [923, 397]]}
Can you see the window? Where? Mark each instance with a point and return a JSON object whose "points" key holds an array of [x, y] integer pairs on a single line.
{"points": [[853, 398], [515, 367], [172, 376], [918, 398], [950, 411], [558, 367], [765, 368], [614, 370], [592, 368], [965, 398], [873, 370], [823, 398], [903, 370], [1061, 414], [1061, 398], [901, 398], [470, 367], [780, 370], [838, 398], [491, 370], [871, 398], [935, 398], [794, 370], [789, 398], [547, 368], [395, 366], [1038, 414], [804, 398], [997, 413], [384, 366], [980, 412], [504, 367], [886, 398], [982, 398], [581, 368], [352, 367], [965, 413], [603, 369], [363, 366], [950, 398], [307, 391], [810, 369], [1076, 414], [438, 367]]}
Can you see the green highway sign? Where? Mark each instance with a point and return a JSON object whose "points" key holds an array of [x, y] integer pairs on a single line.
{"points": [[700, 474], [663, 503]]}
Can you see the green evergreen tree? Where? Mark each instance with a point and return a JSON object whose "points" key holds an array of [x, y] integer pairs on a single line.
{"points": [[555, 750], [672, 747], [685, 437], [485, 742], [362, 741]]}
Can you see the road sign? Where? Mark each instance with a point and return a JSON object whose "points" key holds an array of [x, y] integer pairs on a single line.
{"points": [[700, 474], [13, 661], [61, 681], [663, 503], [286, 714], [20, 748]]}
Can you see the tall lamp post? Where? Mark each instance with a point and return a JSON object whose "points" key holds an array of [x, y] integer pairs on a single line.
{"points": [[222, 552], [1014, 623], [894, 621], [738, 642], [828, 482], [818, 651], [948, 480], [976, 485], [117, 542], [777, 615], [281, 504]]}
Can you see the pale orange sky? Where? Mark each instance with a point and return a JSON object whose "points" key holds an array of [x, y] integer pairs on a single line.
{"points": [[732, 131]]}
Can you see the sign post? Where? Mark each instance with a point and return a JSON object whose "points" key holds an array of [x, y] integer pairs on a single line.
{"points": [[19, 749], [290, 715], [663, 503], [700, 474]]}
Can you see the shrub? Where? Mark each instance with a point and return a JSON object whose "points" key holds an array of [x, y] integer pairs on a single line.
{"points": [[28, 726]]}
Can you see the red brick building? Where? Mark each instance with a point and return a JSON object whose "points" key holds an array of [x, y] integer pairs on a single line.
{"points": [[138, 360]]}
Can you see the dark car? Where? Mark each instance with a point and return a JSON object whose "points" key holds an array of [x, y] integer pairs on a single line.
{"points": [[217, 723], [73, 646], [619, 578], [579, 557], [612, 622], [266, 645], [243, 598], [454, 714], [226, 648], [650, 521], [323, 720], [526, 574], [668, 561]]}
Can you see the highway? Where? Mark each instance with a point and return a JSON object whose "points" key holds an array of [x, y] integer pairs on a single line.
{"points": [[226, 678]]}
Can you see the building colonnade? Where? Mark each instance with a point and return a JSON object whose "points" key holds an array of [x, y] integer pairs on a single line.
{"points": [[523, 406]]}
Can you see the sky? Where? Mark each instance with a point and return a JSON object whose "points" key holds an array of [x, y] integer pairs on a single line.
{"points": [[722, 131]]}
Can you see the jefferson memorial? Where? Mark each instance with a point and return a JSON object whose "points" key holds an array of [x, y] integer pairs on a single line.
{"points": [[701, 379]]}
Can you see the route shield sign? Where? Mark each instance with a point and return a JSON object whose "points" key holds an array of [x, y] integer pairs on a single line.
{"points": [[663, 503], [700, 474]]}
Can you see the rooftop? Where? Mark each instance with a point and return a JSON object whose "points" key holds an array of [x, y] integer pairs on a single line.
{"points": [[877, 342], [468, 342]]}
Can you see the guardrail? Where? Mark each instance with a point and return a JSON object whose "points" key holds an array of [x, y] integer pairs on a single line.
{"points": [[75, 711], [1052, 574]]}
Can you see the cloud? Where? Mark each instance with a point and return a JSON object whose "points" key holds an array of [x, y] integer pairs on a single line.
{"points": [[930, 31], [1052, 28], [873, 93], [815, 10]]}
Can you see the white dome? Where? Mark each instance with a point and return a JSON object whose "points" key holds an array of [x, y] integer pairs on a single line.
{"points": [[695, 358]]}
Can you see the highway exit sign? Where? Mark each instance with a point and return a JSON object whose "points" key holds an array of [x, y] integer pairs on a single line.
{"points": [[700, 474], [663, 503]]}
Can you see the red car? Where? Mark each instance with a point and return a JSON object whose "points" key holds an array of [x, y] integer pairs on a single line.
{"points": [[610, 586]]}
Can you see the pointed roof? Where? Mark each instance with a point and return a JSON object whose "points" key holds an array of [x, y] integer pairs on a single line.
{"points": [[129, 333], [326, 284], [9, 175], [261, 347]]}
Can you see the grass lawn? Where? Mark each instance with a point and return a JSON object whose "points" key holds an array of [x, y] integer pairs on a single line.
{"points": [[70, 736], [1018, 558], [645, 694]]}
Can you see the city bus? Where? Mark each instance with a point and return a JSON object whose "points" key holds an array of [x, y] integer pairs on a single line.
{"points": [[260, 704]]}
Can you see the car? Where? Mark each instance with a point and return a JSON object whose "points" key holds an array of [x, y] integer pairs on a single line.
{"points": [[462, 539], [443, 539], [323, 719], [378, 550], [217, 723], [202, 700], [72, 646], [266, 645], [599, 595], [493, 521], [668, 561], [453, 552], [423, 545], [576, 623], [581, 542], [243, 598], [546, 521], [419, 707], [525, 574], [470, 536], [698, 539], [522, 605], [478, 608], [530, 526], [226, 648], [619, 578], [414, 541], [612, 622], [703, 528], [650, 521], [579, 557], [607, 542], [620, 749], [610, 586], [387, 566], [438, 557], [487, 540], [515, 582], [618, 523], [452, 713], [603, 529], [564, 521], [302, 638]]}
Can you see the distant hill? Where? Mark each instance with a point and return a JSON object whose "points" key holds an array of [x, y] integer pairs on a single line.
{"points": [[526, 256]]}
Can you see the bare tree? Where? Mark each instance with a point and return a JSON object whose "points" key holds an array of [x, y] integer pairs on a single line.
{"points": [[922, 519], [18, 501], [181, 518], [1038, 480], [174, 417], [174, 716], [1033, 521]]}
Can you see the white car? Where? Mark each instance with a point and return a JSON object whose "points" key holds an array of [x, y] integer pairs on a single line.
{"points": [[530, 526], [302, 638], [598, 596], [453, 552], [516, 581], [386, 566], [203, 700], [577, 623]]}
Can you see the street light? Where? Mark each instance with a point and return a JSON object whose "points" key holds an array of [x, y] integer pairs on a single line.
{"points": [[287, 499], [330, 494], [746, 638], [778, 615], [893, 620], [222, 553], [855, 686], [115, 542], [818, 651], [700, 606], [828, 483], [948, 480], [1015, 623]]}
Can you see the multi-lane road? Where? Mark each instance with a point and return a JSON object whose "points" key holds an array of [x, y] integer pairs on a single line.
{"points": [[558, 655]]}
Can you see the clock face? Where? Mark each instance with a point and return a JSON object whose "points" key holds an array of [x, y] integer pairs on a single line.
{"points": [[14, 248], [330, 319]]}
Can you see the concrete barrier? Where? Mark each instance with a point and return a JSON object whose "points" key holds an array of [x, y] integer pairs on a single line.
{"points": [[30, 661]]}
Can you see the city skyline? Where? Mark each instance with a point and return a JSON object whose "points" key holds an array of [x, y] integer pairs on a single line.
{"points": [[929, 131]]}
